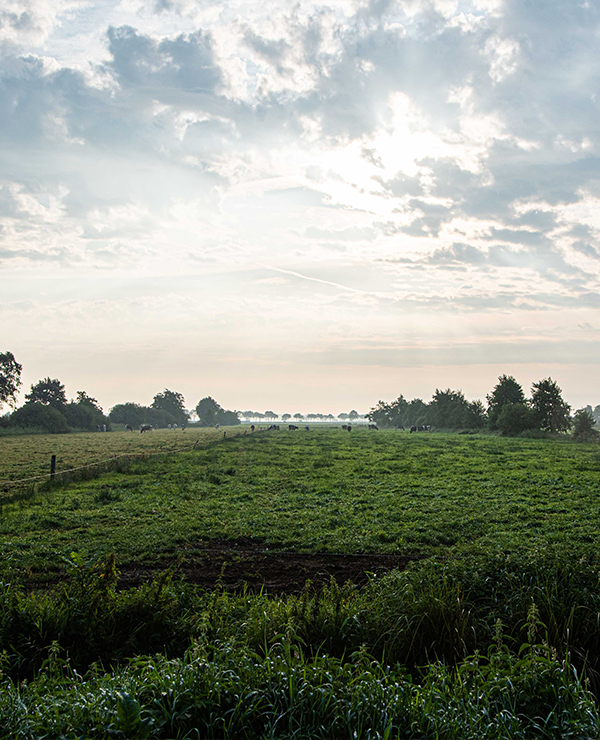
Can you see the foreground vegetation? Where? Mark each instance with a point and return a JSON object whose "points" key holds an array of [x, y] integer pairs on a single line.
{"points": [[495, 635], [467, 649]]}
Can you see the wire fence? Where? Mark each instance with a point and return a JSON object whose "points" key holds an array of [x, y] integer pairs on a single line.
{"points": [[12, 491], [26, 488]]}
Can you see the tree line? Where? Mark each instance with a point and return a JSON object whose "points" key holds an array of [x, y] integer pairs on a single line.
{"points": [[47, 409], [508, 411]]}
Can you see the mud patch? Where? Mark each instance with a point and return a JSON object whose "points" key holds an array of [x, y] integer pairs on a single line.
{"points": [[238, 565]]}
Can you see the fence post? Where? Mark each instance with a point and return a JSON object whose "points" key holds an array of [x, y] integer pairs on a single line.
{"points": [[52, 466]]}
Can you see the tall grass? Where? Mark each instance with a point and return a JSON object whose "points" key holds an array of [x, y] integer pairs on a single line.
{"points": [[236, 693]]}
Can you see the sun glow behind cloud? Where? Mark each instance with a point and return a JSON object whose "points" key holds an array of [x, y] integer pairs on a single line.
{"points": [[249, 199]]}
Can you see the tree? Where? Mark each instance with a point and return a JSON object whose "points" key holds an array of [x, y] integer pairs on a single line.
{"points": [[299, 417], [506, 390], [208, 410], [285, 417], [418, 413], [449, 409], [389, 414], [172, 403], [553, 413], [228, 418], [10, 379], [211, 413], [48, 392], [583, 425], [128, 413], [515, 418], [82, 416], [270, 415], [475, 415], [84, 400], [353, 415]]}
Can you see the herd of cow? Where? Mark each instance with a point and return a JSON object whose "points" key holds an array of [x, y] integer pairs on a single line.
{"points": [[291, 428]]}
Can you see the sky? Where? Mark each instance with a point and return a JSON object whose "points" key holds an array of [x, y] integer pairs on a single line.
{"points": [[300, 206]]}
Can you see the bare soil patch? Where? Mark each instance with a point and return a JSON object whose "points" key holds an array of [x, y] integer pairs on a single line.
{"points": [[234, 565]]}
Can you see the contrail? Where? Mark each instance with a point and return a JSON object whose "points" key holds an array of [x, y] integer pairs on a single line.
{"points": [[319, 280]]}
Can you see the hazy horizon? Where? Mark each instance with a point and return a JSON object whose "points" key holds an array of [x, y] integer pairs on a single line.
{"points": [[304, 208]]}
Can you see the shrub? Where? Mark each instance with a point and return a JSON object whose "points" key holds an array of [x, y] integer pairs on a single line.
{"points": [[40, 416], [82, 416], [583, 426], [516, 418]]}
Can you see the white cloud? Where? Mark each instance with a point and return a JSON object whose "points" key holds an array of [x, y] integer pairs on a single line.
{"points": [[422, 174]]}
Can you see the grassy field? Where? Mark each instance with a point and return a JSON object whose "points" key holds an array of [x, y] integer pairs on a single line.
{"points": [[323, 491], [489, 637], [26, 456]]}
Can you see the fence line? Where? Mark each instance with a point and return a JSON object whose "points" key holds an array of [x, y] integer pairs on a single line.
{"points": [[9, 489]]}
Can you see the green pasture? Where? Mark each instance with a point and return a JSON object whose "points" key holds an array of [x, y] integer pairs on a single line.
{"points": [[26, 456], [325, 490], [496, 637]]}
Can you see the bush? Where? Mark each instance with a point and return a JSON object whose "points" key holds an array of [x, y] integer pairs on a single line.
{"points": [[583, 426], [83, 416], [516, 418], [39, 416]]}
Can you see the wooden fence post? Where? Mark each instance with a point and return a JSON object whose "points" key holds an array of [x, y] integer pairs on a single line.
{"points": [[52, 466]]}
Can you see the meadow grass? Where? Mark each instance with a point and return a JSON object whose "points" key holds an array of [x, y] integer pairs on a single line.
{"points": [[495, 635], [325, 491], [26, 456]]}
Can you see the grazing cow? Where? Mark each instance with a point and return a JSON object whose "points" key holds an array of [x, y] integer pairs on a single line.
{"points": [[292, 427], [307, 428], [349, 427], [128, 428], [273, 428], [252, 427], [344, 427], [168, 426], [146, 428], [413, 429], [374, 426]]}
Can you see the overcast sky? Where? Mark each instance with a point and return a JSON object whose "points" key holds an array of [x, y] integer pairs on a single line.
{"points": [[300, 206]]}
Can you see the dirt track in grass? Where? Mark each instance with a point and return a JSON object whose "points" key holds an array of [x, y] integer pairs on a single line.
{"points": [[234, 564]]}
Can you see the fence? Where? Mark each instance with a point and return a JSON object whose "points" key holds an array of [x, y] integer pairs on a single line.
{"points": [[26, 488]]}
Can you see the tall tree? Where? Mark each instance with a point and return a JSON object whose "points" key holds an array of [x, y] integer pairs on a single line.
{"points": [[173, 403], [49, 391], [583, 425], [449, 409], [389, 414], [84, 400], [211, 413], [506, 391], [553, 413], [10, 379], [208, 411]]}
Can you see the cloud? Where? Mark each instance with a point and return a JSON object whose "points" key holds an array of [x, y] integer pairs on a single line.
{"points": [[395, 160], [184, 63]]}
